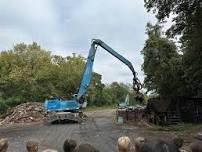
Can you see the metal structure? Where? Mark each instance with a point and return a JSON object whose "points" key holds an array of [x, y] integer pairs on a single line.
{"points": [[60, 109], [172, 110]]}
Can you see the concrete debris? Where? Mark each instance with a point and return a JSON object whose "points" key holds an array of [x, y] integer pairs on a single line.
{"points": [[25, 113]]}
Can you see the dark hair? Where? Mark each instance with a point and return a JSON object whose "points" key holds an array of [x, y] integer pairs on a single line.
{"points": [[178, 141], [32, 144], [69, 145]]}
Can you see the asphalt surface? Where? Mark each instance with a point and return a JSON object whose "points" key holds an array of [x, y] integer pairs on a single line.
{"points": [[99, 129]]}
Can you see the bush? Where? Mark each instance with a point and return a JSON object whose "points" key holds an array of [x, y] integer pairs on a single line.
{"points": [[14, 101], [3, 107]]}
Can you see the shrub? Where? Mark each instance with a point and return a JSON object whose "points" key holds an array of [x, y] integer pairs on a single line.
{"points": [[3, 107]]}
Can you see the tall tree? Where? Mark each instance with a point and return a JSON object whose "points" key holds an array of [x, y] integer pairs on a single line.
{"points": [[187, 22], [160, 59], [21, 70]]}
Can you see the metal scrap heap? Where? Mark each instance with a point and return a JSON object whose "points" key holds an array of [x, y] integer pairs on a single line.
{"points": [[134, 113], [25, 113], [172, 110]]}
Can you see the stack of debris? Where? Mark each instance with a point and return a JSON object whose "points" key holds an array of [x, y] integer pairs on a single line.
{"points": [[25, 113], [134, 113], [174, 109]]}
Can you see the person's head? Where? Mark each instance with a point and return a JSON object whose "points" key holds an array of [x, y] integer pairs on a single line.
{"points": [[3, 145], [158, 145], [50, 150], [69, 145], [86, 148], [139, 142], [196, 146], [32, 146], [124, 144], [178, 141]]}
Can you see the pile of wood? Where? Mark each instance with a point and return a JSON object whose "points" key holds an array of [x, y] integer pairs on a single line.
{"points": [[25, 113]]}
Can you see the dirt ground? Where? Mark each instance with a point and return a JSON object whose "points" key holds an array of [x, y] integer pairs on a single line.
{"points": [[99, 129]]}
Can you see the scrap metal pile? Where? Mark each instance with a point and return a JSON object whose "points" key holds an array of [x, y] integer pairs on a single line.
{"points": [[165, 110], [25, 113], [131, 113], [172, 110]]}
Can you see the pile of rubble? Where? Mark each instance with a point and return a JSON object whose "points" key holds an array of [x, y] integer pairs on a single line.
{"points": [[25, 113]]}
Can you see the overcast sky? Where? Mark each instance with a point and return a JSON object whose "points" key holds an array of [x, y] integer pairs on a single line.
{"points": [[67, 26]]}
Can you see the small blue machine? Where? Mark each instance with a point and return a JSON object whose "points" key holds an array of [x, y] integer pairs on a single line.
{"points": [[60, 109], [125, 104]]}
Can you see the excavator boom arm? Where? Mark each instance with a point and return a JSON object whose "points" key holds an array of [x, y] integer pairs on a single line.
{"points": [[89, 67]]}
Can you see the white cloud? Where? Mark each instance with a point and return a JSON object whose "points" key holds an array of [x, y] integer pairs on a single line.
{"points": [[28, 21], [68, 26]]}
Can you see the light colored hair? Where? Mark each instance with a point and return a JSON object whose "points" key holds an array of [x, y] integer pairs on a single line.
{"points": [[3, 144], [139, 142], [124, 144]]}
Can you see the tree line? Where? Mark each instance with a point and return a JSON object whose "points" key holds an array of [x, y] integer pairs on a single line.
{"points": [[173, 58], [29, 73], [172, 67]]}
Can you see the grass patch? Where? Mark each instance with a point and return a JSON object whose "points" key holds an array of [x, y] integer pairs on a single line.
{"points": [[179, 127], [97, 108]]}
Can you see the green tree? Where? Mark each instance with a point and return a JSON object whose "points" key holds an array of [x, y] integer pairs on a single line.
{"points": [[118, 91], [95, 90], [187, 23], [21, 70], [29, 73], [160, 63], [66, 74]]}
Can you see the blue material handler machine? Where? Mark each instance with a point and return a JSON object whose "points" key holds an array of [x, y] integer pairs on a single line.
{"points": [[62, 109]]}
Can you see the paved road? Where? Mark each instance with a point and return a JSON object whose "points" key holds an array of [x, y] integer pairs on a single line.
{"points": [[99, 130]]}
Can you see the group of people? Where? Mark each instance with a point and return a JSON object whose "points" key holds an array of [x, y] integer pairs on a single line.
{"points": [[69, 145], [124, 144]]}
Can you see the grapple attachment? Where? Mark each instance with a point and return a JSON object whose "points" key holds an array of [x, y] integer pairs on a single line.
{"points": [[137, 86]]}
